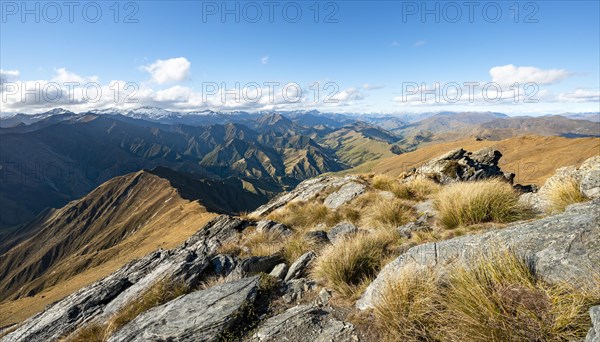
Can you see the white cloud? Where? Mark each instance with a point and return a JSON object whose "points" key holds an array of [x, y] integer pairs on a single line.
{"points": [[169, 70], [509, 74], [62, 75], [580, 95], [420, 43], [349, 94], [264, 60], [368, 86], [8, 75]]}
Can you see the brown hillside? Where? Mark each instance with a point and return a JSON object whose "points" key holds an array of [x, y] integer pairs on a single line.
{"points": [[124, 218], [532, 158]]}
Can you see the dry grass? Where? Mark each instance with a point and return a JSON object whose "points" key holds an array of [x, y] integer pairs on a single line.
{"points": [[305, 215], [495, 298], [415, 190], [468, 203], [409, 306], [387, 214], [349, 266], [161, 292], [562, 193]]}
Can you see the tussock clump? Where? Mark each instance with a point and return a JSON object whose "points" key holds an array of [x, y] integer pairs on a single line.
{"points": [[388, 214], [409, 306], [417, 190], [497, 297], [305, 215], [350, 265], [467, 203], [562, 193]]}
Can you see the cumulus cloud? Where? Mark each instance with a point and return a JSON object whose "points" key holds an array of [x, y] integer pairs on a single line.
{"points": [[8, 75], [169, 70], [509, 74], [349, 94], [264, 60], [62, 75]]}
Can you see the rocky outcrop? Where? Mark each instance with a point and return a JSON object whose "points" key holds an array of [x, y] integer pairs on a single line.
{"points": [[587, 176], [563, 247], [344, 195], [186, 264], [305, 323], [460, 165], [199, 316], [268, 226], [594, 333], [305, 191]]}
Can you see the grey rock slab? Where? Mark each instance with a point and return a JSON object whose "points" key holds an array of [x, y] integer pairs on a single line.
{"points": [[279, 271], [268, 226], [199, 316], [341, 230], [319, 236], [254, 265], [594, 332], [305, 323], [562, 247], [344, 195], [298, 268]]}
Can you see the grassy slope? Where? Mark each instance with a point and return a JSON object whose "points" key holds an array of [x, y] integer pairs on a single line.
{"points": [[532, 158], [153, 215]]}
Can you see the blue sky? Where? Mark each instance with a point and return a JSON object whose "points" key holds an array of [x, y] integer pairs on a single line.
{"points": [[371, 53]]}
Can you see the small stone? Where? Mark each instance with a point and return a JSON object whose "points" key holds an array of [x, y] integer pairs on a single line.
{"points": [[298, 268], [279, 271], [340, 230], [317, 236]]}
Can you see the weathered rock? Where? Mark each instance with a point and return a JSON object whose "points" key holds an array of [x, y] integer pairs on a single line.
{"points": [[188, 264], [324, 296], [305, 191], [460, 165], [298, 268], [199, 316], [294, 289], [254, 265], [268, 226], [279, 271], [305, 323], [340, 230], [318, 236], [344, 195], [563, 247], [594, 332], [587, 175], [223, 264]]}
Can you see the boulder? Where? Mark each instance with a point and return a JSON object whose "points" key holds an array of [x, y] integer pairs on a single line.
{"points": [[254, 265], [341, 230], [268, 226], [223, 264], [199, 316], [460, 165], [562, 247], [298, 268], [318, 236], [188, 264], [344, 195], [305, 323], [589, 177], [279, 271], [594, 332]]}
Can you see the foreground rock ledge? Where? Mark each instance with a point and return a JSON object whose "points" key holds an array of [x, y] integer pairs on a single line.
{"points": [[199, 316], [563, 247]]}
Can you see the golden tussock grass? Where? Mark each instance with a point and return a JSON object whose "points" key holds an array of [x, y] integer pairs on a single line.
{"points": [[349, 265], [416, 190], [386, 214], [562, 193], [304, 215], [496, 297], [467, 203]]}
